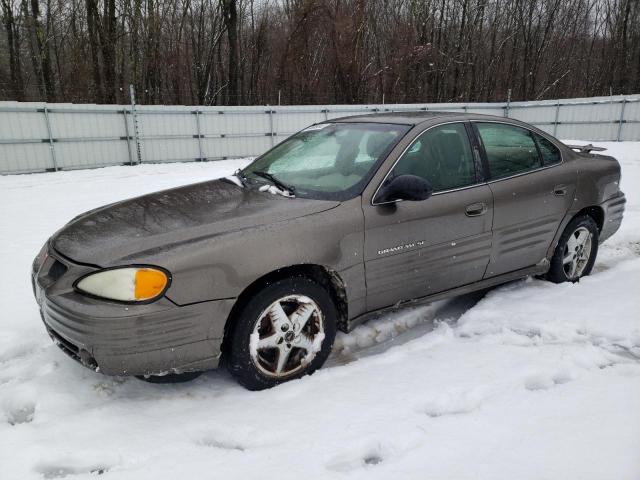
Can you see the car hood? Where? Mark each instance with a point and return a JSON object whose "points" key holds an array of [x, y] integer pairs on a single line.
{"points": [[110, 234]]}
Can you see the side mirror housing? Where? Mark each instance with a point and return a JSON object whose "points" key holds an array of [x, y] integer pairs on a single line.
{"points": [[405, 187]]}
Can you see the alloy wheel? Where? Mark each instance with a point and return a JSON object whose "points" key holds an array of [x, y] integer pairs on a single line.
{"points": [[287, 336], [577, 253]]}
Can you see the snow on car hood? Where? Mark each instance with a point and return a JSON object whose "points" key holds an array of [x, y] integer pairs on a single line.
{"points": [[117, 231]]}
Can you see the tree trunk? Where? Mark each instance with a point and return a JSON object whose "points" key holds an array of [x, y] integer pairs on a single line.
{"points": [[13, 41], [43, 52], [230, 15], [108, 40], [94, 44]]}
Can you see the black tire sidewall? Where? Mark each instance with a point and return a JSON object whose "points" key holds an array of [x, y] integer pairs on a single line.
{"points": [[556, 272], [239, 360]]}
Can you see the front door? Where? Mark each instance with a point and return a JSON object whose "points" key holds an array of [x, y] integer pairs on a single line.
{"points": [[532, 191], [413, 249]]}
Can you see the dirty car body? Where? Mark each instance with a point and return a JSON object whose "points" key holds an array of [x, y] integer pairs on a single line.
{"points": [[495, 218]]}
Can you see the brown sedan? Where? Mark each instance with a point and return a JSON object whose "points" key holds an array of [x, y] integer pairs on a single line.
{"points": [[345, 218]]}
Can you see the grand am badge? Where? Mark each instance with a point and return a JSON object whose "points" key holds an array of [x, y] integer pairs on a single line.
{"points": [[398, 248]]}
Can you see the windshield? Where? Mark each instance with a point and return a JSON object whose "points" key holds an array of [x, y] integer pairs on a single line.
{"points": [[331, 161]]}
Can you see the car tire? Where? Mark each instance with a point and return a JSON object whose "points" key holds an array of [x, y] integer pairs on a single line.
{"points": [[267, 348], [576, 251]]}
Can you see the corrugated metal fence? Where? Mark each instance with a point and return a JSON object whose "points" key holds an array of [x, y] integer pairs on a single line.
{"points": [[37, 137]]}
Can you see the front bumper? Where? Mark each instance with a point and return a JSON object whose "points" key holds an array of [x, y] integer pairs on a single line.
{"points": [[119, 339]]}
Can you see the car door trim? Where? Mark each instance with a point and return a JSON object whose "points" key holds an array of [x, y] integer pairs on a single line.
{"points": [[471, 146]]}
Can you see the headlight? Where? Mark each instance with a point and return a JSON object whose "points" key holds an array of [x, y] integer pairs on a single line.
{"points": [[126, 284]]}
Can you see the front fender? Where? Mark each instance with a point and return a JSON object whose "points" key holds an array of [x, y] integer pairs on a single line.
{"points": [[223, 266]]}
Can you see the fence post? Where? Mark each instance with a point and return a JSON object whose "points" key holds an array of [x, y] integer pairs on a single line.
{"points": [[270, 112], [126, 131], [555, 122], [52, 150], [134, 117], [624, 104], [506, 111], [201, 158]]}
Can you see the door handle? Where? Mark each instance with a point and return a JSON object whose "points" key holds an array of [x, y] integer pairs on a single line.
{"points": [[476, 209], [560, 190]]}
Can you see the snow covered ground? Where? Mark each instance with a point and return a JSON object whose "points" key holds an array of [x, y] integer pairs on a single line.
{"points": [[528, 381]]}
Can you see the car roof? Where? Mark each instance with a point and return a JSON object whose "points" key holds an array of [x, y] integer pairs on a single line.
{"points": [[418, 117]]}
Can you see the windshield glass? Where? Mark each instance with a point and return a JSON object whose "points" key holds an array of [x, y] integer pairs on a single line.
{"points": [[328, 160]]}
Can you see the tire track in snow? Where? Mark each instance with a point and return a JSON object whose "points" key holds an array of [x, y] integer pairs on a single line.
{"points": [[399, 327]]}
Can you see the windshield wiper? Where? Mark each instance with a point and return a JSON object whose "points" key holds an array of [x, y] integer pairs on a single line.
{"points": [[240, 176], [282, 186]]}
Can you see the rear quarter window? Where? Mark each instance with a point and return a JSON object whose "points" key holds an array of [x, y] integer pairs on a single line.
{"points": [[550, 153]]}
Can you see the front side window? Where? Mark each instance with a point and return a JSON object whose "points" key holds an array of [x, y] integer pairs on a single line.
{"points": [[510, 150], [441, 155], [550, 153], [329, 160]]}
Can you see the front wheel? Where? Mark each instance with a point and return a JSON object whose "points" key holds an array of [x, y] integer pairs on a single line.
{"points": [[284, 332], [576, 251]]}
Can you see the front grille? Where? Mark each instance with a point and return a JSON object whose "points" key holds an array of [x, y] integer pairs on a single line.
{"points": [[51, 271], [57, 270]]}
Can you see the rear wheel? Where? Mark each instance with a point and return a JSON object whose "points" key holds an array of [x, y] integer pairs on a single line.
{"points": [[576, 251], [284, 332]]}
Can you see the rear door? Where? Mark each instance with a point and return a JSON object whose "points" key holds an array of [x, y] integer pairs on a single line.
{"points": [[413, 249], [532, 191]]}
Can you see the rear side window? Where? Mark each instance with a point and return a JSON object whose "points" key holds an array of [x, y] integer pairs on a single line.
{"points": [[510, 150], [442, 155], [550, 153]]}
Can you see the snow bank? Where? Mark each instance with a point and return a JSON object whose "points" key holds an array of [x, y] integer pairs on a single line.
{"points": [[530, 380]]}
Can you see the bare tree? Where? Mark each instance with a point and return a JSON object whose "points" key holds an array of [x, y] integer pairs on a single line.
{"points": [[230, 15], [317, 51], [13, 46]]}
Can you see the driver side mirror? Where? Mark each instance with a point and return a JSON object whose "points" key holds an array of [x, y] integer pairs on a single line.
{"points": [[405, 187]]}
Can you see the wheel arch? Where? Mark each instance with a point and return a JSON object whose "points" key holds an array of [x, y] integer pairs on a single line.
{"points": [[596, 212], [556, 272], [328, 278]]}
